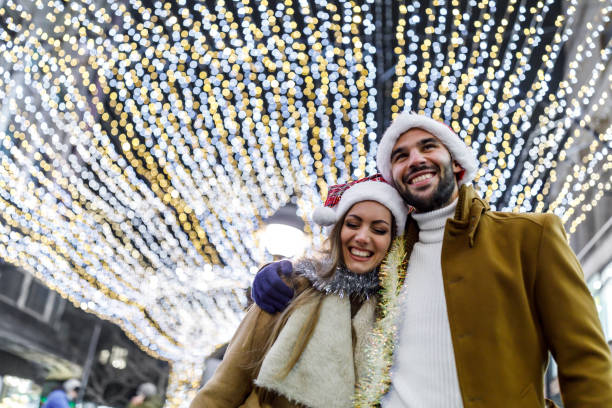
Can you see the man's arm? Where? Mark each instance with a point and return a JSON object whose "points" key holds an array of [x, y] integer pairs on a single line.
{"points": [[570, 322], [269, 291]]}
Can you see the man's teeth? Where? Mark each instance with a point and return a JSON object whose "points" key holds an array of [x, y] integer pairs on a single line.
{"points": [[421, 178], [358, 252]]}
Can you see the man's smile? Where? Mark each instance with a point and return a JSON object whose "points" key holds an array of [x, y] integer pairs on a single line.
{"points": [[420, 178]]}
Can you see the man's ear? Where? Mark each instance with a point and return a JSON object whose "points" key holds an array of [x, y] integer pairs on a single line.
{"points": [[456, 167], [458, 171]]}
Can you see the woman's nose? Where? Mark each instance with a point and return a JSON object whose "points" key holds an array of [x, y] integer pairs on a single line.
{"points": [[362, 235]]}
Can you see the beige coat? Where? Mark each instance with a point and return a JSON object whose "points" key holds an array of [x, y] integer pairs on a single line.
{"points": [[324, 376]]}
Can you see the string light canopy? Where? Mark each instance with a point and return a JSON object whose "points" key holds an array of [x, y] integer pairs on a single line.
{"points": [[143, 143]]}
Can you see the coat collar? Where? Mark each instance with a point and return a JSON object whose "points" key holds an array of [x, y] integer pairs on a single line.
{"points": [[468, 198], [470, 208], [468, 212]]}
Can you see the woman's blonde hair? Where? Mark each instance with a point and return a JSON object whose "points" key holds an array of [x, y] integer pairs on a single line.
{"points": [[304, 294]]}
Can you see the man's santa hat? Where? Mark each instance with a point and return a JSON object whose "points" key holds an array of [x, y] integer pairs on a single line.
{"points": [[405, 121], [341, 197]]}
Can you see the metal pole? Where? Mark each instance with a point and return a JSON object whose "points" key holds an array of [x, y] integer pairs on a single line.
{"points": [[379, 38], [93, 344]]}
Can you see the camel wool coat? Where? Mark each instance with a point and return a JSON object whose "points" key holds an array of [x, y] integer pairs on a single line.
{"points": [[515, 292], [232, 383]]}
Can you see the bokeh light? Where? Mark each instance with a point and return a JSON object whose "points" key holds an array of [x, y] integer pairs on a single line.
{"points": [[142, 143]]}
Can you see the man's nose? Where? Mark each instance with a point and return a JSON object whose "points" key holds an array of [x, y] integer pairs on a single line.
{"points": [[416, 159]]}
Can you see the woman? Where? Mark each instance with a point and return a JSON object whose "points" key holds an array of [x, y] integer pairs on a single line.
{"points": [[312, 354]]}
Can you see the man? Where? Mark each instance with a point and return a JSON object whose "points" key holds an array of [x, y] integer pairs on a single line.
{"points": [[60, 398], [146, 397], [487, 294]]}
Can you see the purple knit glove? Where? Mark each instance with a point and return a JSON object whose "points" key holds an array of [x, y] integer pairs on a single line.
{"points": [[269, 291]]}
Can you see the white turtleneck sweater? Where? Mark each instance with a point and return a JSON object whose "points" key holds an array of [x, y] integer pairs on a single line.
{"points": [[424, 372]]}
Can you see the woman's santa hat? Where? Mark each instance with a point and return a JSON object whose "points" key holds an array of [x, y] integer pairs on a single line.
{"points": [[405, 121], [341, 197]]}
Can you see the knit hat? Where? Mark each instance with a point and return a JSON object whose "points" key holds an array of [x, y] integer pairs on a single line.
{"points": [[71, 384], [147, 389], [405, 121], [341, 197]]}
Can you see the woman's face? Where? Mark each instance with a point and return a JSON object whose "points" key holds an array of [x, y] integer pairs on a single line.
{"points": [[365, 236]]}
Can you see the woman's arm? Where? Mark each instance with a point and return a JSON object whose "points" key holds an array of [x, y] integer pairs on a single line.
{"points": [[233, 380]]}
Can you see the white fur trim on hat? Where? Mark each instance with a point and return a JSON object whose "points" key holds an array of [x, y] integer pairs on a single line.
{"points": [[405, 121], [324, 216], [378, 191]]}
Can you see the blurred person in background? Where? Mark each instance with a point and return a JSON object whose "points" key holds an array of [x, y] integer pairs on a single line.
{"points": [[313, 353], [61, 397], [146, 397]]}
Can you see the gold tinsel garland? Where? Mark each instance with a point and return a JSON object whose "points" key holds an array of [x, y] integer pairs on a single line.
{"points": [[379, 351]]}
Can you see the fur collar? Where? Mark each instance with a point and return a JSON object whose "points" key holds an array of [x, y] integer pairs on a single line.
{"points": [[343, 282], [328, 369]]}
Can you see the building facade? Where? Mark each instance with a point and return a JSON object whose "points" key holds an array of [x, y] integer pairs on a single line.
{"points": [[45, 340]]}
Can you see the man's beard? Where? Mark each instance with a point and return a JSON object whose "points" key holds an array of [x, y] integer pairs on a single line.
{"points": [[439, 198]]}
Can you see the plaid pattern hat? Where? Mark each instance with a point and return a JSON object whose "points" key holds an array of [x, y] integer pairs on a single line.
{"points": [[335, 192], [341, 197]]}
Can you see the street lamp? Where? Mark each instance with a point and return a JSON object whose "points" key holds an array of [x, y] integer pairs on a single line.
{"points": [[283, 235]]}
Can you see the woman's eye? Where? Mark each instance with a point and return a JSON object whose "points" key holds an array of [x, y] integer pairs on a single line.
{"points": [[380, 231], [351, 225]]}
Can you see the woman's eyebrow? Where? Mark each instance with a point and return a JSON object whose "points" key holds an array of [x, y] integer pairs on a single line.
{"points": [[380, 221]]}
